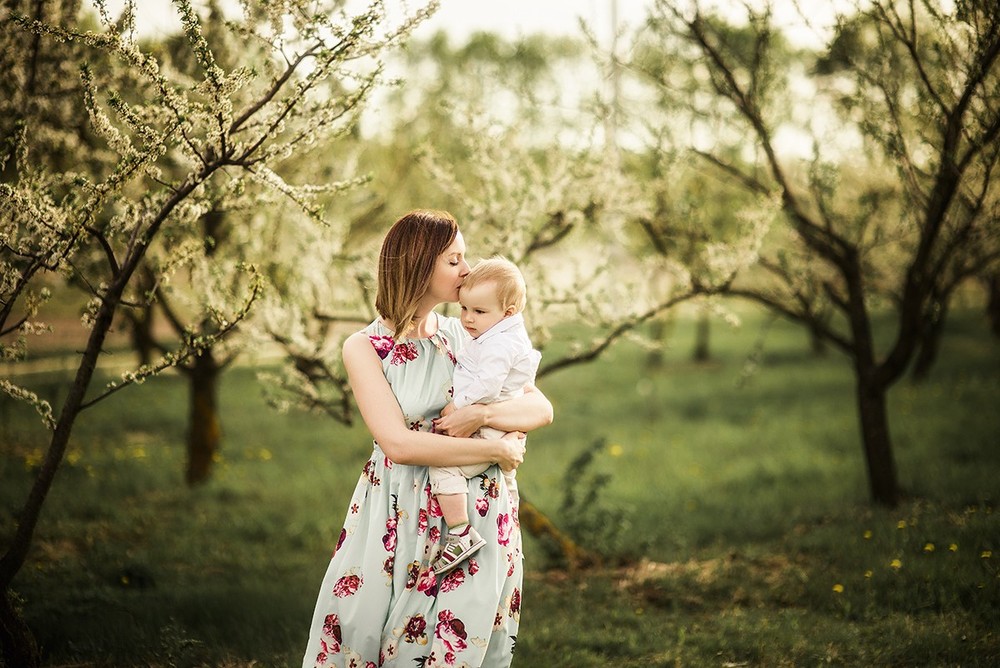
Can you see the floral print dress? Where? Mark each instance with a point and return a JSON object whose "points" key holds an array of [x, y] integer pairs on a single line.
{"points": [[380, 603]]}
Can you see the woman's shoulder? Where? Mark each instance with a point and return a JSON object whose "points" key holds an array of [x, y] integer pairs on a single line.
{"points": [[370, 337]]}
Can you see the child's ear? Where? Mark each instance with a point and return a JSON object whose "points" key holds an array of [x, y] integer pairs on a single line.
{"points": [[509, 311]]}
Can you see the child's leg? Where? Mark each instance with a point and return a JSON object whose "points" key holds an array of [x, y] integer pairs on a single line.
{"points": [[451, 489], [455, 509]]}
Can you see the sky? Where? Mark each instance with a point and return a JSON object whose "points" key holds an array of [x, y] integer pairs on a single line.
{"points": [[518, 18], [510, 18]]}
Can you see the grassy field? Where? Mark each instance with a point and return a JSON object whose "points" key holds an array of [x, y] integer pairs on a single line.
{"points": [[733, 510]]}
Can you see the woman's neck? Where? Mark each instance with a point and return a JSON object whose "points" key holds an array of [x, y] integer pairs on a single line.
{"points": [[425, 325]]}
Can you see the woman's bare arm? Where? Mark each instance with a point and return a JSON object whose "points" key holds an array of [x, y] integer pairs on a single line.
{"points": [[524, 413], [385, 420]]}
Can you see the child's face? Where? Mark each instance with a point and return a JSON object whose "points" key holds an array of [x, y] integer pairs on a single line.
{"points": [[481, 309]]}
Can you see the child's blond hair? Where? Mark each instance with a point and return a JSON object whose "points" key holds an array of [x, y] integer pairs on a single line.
{"points": [[507, 277]]}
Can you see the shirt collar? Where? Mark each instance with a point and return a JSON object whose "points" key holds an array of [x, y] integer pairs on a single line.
{"points": [[508, 323]]}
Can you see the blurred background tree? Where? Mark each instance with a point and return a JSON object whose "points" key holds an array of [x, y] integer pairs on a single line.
{"points": [[892, 205]]}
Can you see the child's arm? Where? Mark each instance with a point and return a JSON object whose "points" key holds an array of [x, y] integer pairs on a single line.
{"points": [[525, 413]]}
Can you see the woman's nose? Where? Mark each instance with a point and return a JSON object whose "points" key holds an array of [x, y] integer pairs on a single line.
{"points": [[465, 269]]}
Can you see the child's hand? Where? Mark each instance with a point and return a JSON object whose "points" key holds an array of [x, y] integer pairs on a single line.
{"points": [[461, 422], [448, 409]]}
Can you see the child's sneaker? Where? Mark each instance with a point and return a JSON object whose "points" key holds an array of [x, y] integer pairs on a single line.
{"points": [[456, 549]]}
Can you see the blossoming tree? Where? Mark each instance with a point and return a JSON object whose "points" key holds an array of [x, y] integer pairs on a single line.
{"points": [[168, 149]]}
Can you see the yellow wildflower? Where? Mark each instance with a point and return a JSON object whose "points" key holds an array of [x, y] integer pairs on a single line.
{"points": [[867, 534], [838, 588], [896, 564], [986, 554], [616, 450], [901, 524], [868, 574], [953, 547], [929, 547]]}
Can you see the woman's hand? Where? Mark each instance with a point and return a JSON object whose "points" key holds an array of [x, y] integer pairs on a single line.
{"points": [[511, 456], [462, 422]]}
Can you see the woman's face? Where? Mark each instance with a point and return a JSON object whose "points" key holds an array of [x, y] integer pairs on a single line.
{"points": [[449, 272]]}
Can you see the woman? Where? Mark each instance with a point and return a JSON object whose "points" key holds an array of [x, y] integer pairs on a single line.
{"points": [[380, 603]]}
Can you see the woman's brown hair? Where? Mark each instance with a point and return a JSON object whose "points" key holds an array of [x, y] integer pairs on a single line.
{"points": [[409, 252]]}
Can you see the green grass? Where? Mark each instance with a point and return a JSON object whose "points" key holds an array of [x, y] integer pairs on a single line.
{"points": [[740, 490]]}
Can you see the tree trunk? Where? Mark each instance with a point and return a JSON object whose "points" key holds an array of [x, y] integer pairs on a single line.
{"points": [[931, 330], [658, 331], [559, 546], [993, 302], [875, 438], [141, 327], [205, 427], [702, 331], [17, 644], [817, 344], [15, 637]]}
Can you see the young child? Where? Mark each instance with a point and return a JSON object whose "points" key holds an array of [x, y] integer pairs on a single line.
{"points": [[494, 366]]}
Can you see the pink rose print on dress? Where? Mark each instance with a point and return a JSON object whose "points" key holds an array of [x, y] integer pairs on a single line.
{"points": [[347, 585], [330, 641], [421, 521], [414, 630], [482, 506], [473, 566], [388, 564], [490, 485], [383, 345], [403, 353], [504, 528], [447, 349], [453, 580], [451, 631], [412, 574], [369, 472], [433, 507], [340, 541], [515, 604], [389, 539], [427, 583]]}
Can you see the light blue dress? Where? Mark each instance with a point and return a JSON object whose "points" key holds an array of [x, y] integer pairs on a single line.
{"points": [[380, 603]]}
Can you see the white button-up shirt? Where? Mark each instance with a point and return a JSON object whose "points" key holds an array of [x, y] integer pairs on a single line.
{"points": [[497, 365]]}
